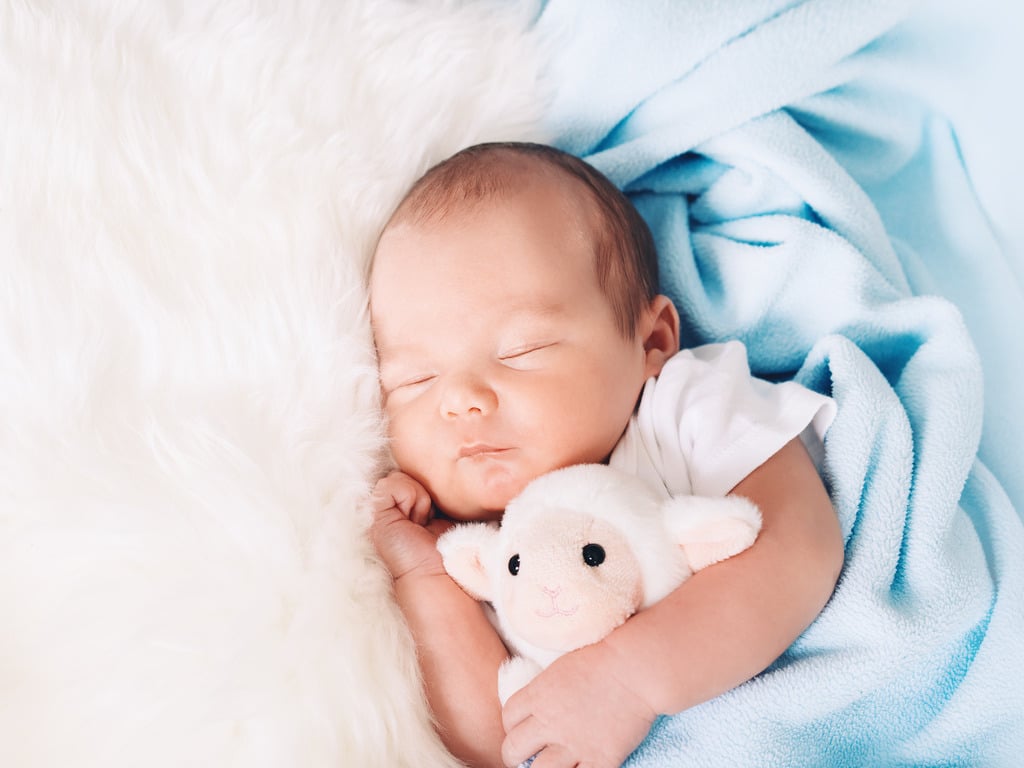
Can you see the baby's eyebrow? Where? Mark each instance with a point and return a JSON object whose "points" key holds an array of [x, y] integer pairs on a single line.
{"points": [[387, 353], [393, 351]]}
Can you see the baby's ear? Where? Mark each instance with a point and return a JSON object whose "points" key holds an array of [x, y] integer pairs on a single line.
{"points": [[711, 529], [465, 549], [659, 327]]}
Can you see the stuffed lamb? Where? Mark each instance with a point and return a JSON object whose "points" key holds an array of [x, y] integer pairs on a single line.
{"points": [[582, 549]]}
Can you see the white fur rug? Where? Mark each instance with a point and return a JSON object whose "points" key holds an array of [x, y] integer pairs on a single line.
{"points": [[188, 195]]}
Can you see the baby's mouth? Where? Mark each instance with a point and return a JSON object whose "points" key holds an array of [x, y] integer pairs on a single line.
{"points": [[480, 450]]}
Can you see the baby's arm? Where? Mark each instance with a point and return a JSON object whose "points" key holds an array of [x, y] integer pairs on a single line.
{"points": [[457, 648], [720, 628]]}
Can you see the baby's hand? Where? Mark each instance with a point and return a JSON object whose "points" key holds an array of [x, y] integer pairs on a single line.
{"points": [[400, 491], [403, 529], [578, 711]]}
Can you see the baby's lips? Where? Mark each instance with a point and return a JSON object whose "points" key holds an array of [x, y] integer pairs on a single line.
{"points": [[471, 450]]}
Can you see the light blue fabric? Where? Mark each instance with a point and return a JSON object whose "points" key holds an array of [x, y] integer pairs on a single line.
{"points": [[803, 206]]}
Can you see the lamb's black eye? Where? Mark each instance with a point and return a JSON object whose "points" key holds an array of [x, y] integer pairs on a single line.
{"points": [[593, 555], [513, 564]]}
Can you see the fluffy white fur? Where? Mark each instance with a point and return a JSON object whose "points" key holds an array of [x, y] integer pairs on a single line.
{"points": [[188, 415]]}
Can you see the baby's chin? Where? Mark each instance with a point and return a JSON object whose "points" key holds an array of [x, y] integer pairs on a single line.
{"points": [[486, 503]]}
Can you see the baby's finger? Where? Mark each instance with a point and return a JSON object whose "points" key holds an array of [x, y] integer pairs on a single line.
{"points": [[421, 508], [554, 757], [384, 495], [396, 490], [516, 710], [523, 741]]}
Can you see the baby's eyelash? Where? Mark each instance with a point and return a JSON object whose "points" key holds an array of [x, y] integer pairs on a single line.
{"points": [[405, 383], [524, 350], [416, 380]]}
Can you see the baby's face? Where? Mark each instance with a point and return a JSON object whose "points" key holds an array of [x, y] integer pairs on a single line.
{"points": [[499, 355]]}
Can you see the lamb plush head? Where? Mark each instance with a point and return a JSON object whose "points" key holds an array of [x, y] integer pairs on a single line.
{"points": [[583, 548]]}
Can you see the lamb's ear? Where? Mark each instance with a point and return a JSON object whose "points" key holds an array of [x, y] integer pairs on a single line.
{"points": [[711, 529], [464, 550]]}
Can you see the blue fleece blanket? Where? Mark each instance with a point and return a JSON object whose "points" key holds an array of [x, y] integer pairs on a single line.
{"points": [[802, 205]]}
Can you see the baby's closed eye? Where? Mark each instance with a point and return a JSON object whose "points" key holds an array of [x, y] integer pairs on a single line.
{"points": [[391, 382], [523, 355]]}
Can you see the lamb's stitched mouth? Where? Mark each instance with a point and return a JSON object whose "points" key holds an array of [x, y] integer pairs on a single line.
{"points": [[556, 611]]}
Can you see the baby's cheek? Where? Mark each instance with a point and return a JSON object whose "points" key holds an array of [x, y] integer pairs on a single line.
{"points": [[407, 441]]}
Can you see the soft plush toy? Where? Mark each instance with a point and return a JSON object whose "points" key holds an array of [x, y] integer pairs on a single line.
{"points": [[582, 549]]}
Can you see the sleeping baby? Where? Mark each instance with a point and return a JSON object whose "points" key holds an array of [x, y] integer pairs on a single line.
{"points": [[519, 330]]}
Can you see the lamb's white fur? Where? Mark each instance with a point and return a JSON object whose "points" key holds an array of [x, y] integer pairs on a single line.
{"points": [[188, 417]]}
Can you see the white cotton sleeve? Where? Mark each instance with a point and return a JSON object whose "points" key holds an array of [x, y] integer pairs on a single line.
{"points": [[705, 422]]}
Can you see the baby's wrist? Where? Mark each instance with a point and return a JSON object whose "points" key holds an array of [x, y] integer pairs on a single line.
{"points": [[623, 667], [422, 573]]}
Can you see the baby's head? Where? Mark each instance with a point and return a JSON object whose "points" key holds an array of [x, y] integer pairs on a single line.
{"points": [[515, 314]]}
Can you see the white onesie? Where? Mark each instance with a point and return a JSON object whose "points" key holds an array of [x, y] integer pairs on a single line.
{"points": [[705, 423]]}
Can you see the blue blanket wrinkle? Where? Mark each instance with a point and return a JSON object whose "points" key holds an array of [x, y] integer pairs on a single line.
{"points": [[804, 206]]}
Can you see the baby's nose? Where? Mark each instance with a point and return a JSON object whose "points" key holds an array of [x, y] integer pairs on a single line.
{"points": [[467, 396]]}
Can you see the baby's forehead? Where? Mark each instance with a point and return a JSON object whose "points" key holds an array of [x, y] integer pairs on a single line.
{"points": [[404, 261]]}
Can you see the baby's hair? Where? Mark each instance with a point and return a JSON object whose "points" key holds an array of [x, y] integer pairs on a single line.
{"points": [[624, 254]]}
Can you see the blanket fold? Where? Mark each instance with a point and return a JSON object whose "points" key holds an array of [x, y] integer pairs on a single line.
{"points": [[802, 205]]}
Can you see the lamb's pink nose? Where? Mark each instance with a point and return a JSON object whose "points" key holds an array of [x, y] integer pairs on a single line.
{"points": [[552, 593]]}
